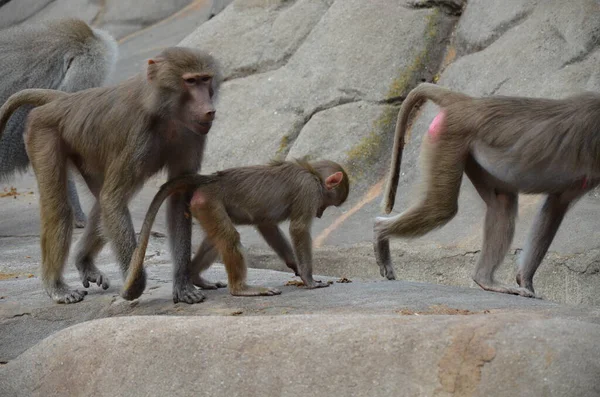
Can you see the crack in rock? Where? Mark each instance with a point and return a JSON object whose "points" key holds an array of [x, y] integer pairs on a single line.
{"points": [[450, 7]]}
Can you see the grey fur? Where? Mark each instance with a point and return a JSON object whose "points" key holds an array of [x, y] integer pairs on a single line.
{"points": [[60, 55]]}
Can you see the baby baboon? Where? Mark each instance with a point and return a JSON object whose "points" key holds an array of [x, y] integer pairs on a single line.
{"points": [[505, 145], [118, 137], [66, 55], [261, 195]]}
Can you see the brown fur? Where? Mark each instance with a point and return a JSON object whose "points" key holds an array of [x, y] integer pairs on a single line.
{"points": [[118, 137], [261, 195], [505, 145]]}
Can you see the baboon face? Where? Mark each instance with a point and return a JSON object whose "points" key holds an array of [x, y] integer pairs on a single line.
{"points": [[189, 79], [198, 111]]}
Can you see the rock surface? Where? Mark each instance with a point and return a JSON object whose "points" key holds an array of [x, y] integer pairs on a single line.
{"points": [[502, 354]]}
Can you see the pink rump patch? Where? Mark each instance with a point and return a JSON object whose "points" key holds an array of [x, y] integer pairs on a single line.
{"points": [[436, 126], [198, 200]]}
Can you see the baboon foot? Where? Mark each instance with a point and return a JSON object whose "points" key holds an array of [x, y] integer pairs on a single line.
{"points": [[80, 220], [203, 283], [383, 258], [188, 294], [254, 291], [506, 289], [315, 284], [528, 284], [61, 293], [93, 275]]}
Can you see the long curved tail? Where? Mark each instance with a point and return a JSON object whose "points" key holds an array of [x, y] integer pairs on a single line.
{"points": [[34, 96], [135, 283], [442, 97]]}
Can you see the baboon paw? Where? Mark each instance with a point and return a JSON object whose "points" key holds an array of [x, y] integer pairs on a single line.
{"points": [[256, 291], [506, 289], [188, 294], [205, 284], [316, 284], [387, 270], [95, 276], [65, 295]]}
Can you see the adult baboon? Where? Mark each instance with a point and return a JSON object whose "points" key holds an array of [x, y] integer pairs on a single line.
{"points": [[118, 137], [66, 55], [505, 145]]}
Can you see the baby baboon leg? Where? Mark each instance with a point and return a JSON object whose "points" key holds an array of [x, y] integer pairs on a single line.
{"points": [[218, 227], [300, 234], [80, 218], [206, 255], [540, 237], [278, 243], [89, 245], [49, 164]]}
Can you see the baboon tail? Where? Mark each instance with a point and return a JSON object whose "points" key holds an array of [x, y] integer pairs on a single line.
{"points": [[34, 96], [442, 97], [134, 284]]}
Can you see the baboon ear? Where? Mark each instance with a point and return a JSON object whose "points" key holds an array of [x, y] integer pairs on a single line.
{"points": [[153, 67], [333, 180]]}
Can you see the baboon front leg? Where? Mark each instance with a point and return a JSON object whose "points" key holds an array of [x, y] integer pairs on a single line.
{"points": [[499, 229], [219, 229], [89, 245], [278, 243], [300, 234], [540, 237], [206, 255], [179, 224], [80, 218], [50, 167], [444, 165]]}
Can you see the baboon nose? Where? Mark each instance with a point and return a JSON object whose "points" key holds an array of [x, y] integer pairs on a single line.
{"points": [[211, 115]]}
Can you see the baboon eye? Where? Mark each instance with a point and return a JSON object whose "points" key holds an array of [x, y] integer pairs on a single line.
{"points": [[205, 79], [190, 80]]}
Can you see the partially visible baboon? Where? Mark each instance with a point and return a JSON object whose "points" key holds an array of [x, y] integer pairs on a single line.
{"points": [[66, 55], [118, 137], [505, 145], [261, 195]]}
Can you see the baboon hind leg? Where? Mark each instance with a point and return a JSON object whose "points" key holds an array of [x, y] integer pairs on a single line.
{"points": [[50, 166], [443, 172], [205, 256], [219, 229]]}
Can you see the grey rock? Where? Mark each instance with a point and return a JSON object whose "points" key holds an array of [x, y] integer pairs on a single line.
{"points": [[331, 67], [503, 354], [88, 10], [15, 12]]}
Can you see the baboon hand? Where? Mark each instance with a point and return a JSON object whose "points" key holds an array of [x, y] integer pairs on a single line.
{"points": [[248, 290], [187, 294], [62, 294], [315, 284], [94, 275], [201, 282]]}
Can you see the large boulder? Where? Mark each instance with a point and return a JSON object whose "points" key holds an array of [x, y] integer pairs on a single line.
{"points": [[503, 354]]}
